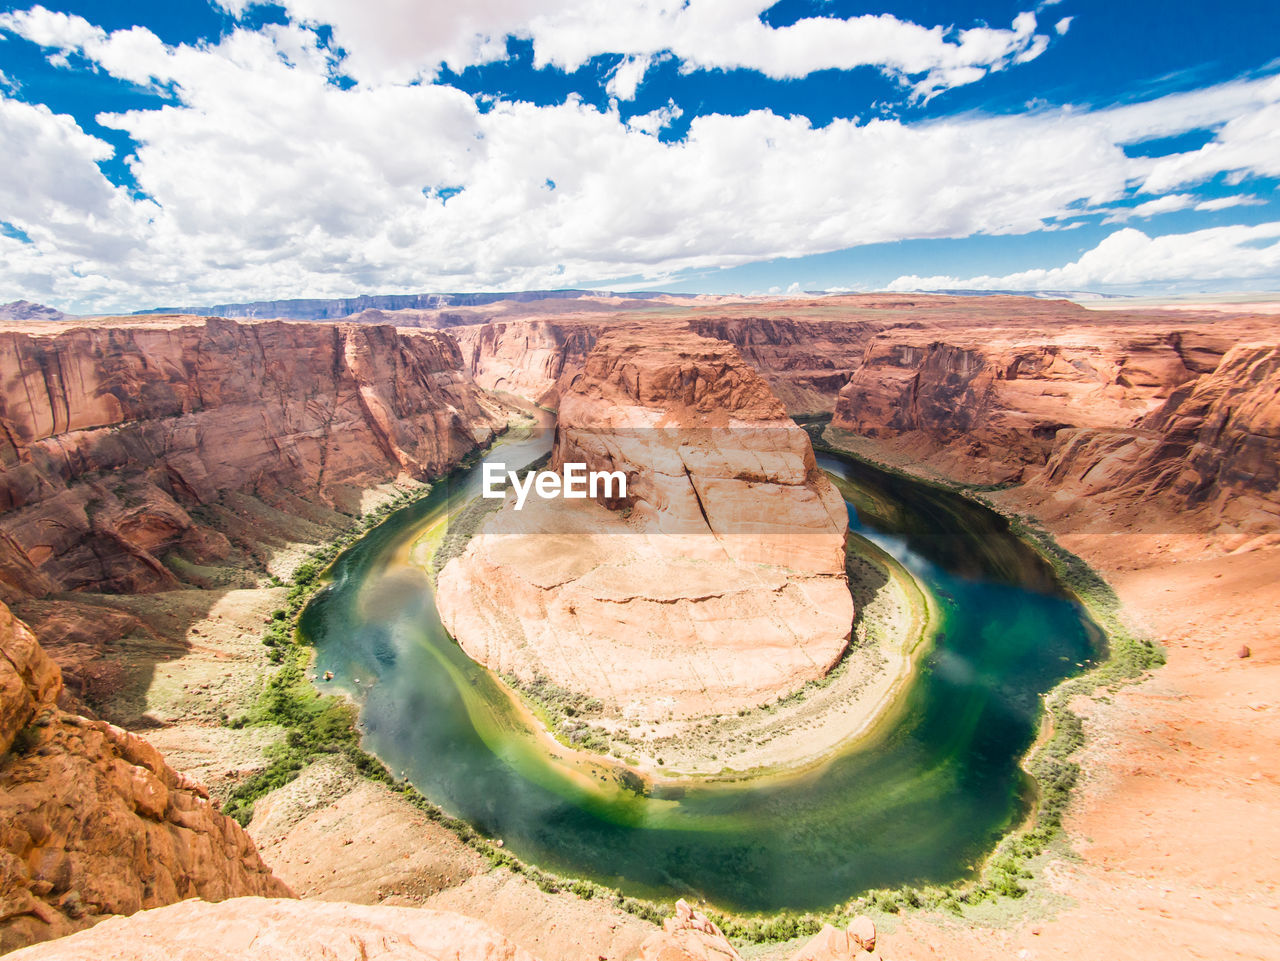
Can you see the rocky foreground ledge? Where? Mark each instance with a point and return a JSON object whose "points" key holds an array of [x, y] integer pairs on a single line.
{"points": [[245, 929], [93, 822], [715, 585]]}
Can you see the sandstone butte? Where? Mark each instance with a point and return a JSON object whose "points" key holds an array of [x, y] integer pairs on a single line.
{"points": [[167, 463], [716, 584]]}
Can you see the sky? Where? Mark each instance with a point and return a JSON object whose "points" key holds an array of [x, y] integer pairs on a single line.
{"points": [[193, 152]]}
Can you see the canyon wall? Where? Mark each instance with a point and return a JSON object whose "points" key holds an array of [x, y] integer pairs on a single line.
{"points": [[804, 360], [1212, 449], [526, 358], [116, 438], [1163, 411], [1139, 414], [92, 821]]}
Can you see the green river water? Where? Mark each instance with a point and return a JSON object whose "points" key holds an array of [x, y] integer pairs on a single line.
{"points": [[921, 800]]}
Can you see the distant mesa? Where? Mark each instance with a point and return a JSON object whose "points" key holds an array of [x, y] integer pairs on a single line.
{"points": [[26, 310], [334, 309]]}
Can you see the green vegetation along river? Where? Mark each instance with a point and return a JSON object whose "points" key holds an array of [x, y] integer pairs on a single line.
{"points": [[923, 798]]}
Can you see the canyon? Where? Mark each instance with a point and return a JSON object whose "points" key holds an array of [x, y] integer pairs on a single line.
{"points": [[156, 472]]}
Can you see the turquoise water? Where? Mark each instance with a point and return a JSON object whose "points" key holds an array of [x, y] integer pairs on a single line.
{"points": [[922, 800]]}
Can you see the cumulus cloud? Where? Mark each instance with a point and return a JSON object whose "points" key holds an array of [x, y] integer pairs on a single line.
{"points": [[397, 40], [1130, 257], [627, 76], [656, 120], [1247, 143], [263, 177]]}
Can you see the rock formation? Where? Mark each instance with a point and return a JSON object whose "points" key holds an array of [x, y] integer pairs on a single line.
{"points": [[114, 434], [716, 584], [1212, 448], [1143, 413], [527, 358], [250, 928], [132, 448], [689, 935], [92, 820]]}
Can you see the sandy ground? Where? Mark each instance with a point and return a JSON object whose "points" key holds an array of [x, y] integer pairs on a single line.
{"points": [[335, 836], [1260, 303]]}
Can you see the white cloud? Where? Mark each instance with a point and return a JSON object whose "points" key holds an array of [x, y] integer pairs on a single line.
{"points": [[1249, 142], [1222, 203], [1063, 25], [1161, 205], [656, 120], [1129, 257], [266, 179], [397, 40], [627, 77], [46, 28]]}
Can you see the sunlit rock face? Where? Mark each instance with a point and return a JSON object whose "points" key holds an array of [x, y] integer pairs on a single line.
{"points": [[93, 822], [116, 435], [716, 583]]}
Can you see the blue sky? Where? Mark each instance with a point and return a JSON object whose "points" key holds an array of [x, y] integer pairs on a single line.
{"points": [[189, 152]]}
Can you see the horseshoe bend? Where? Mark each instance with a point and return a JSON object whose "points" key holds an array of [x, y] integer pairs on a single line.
{"points": [[865, 544]]}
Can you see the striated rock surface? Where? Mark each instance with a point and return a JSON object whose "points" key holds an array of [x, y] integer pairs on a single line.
{"points": [[803, 354], [717, 583], [1140, 414], [114, 435], [996, 389], [249, 928], [1213, 447], [92, 820], [526, 358]]}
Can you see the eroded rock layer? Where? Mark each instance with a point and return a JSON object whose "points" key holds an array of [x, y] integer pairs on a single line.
{"points": [[92, 820], [1143, 415], [117, 437], [716, 583]]}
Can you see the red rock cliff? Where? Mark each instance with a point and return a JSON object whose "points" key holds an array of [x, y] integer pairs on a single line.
{"points": [[112, 434], [1142, 413]]}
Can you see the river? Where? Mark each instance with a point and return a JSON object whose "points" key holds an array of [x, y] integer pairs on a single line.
{"points": [[921, 800]]}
